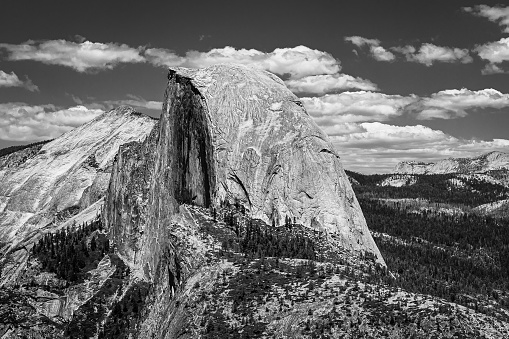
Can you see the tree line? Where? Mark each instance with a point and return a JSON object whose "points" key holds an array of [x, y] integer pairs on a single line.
{"points": [[439, 188], [72, 251], [457, 257]]}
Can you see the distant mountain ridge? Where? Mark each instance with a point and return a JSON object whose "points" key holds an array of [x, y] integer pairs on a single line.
{"points": [[485, 162]]}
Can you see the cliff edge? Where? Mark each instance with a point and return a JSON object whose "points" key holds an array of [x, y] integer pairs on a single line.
{"points": [[229, 132]]}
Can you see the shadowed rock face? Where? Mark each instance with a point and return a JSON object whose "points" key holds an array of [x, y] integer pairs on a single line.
{"points": [[151, 179], [189, 138], [229, 132]]}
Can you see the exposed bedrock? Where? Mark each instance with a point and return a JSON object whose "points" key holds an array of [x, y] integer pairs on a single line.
{"points": [[174, 165], [43, 185], [230, 132]]}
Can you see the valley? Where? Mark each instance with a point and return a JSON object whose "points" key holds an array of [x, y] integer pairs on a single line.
{"points": [[439, 237]]}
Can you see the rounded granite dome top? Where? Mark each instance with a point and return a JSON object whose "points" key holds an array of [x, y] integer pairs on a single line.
{"points": [[240, 77], [234, 92]]}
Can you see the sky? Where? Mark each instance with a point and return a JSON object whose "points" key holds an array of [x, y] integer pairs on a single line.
{"points": [[389, 81]]}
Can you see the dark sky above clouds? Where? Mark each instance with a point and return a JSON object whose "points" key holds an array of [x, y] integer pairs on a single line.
{"points": [[387, 80]]}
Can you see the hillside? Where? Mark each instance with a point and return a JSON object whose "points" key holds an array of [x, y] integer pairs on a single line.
{"points": [[237, 278], [444, 235], [485, 162], [41, 187]]}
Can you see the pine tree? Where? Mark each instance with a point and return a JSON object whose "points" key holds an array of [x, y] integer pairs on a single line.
{"points": [[93, 244]]}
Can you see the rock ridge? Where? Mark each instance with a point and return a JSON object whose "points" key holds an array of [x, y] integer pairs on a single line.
{"points": [[485, 162], [229, 132], [41, 186]]}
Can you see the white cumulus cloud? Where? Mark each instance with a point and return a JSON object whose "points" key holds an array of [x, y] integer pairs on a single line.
{"points": [[318, 70], [80, 56], [135, 101], [356, 106], [23, 122], [495, 14], [339, 114], [454, 103], [377, 52], [378, 147], [12, 80], [495, 53], [428, 54], [329, 83], [296, 62]]}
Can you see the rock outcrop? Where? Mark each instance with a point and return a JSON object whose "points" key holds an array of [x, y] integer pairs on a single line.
{"points": [[485, 162], [229, 132], [42, 186]]}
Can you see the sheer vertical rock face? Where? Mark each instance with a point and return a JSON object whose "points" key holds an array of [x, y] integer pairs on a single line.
{"points": [[230, 132], [151, 179]]}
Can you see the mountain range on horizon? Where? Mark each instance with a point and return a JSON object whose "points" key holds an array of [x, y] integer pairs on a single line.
{"points": [[490, 161]]}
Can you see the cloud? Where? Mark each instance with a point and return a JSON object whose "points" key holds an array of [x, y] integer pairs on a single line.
{"points": [[338, 128], [450, 104], [360, 41], [289, 63], [135, 101], [495, 52], [295, 63], [338, 114], [75, 99], [379, 135], [492, 69], [378, 147], [23, 122], [163, 57], [12, 80], [381, 54], [356, 106], [81, 56], [327, 83], [429, 54], [495, 14], [377, 52]]}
